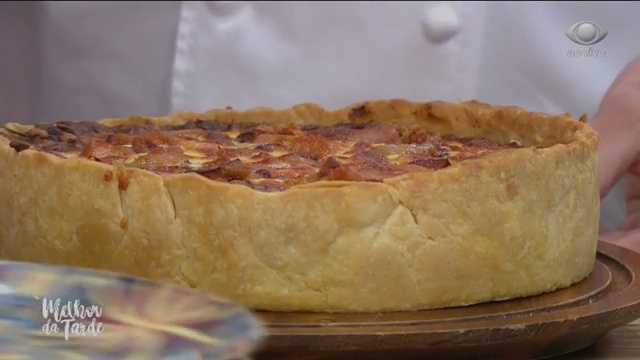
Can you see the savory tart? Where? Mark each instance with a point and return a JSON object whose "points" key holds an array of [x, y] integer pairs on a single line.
{"points": [[380, 206]]}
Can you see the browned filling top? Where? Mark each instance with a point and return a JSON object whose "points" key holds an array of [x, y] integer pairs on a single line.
{"points": [[264, 157]]}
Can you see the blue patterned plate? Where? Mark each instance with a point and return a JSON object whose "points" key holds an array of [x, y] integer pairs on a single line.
{"points": [[57, 312]]}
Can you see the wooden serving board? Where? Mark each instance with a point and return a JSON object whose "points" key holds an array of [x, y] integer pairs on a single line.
{"points": [[535, 327]]}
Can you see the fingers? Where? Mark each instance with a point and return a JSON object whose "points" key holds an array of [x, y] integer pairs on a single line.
{"points": [[632, 189], [618, 151], [612, 237], [617, 122], [629, 240]]}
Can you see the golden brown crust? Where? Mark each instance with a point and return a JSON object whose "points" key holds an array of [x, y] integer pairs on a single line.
{"points": [[510, 224]]}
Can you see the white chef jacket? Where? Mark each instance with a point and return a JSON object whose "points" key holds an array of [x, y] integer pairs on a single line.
{"points": [[89, 60]]}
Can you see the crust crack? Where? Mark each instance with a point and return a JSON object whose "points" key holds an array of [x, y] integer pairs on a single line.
{"points": [[172, 201], [413, 214], [407, 254], [404, 252], [123, 215], [185, 250]]}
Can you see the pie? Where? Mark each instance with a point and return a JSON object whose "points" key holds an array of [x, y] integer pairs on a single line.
{"points": [[384, 205]]}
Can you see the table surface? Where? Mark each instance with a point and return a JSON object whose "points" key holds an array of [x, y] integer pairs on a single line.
{"points": [[621, 343]]}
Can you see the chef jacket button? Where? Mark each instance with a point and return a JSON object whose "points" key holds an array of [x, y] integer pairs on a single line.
{"points": [[225, 8], [440, 21]]}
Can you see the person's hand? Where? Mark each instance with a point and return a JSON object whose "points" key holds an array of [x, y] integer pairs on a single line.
{"points": [[617, 122]]}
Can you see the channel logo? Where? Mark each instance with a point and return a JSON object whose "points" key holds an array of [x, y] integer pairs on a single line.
{"points": [[586, 33]]}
